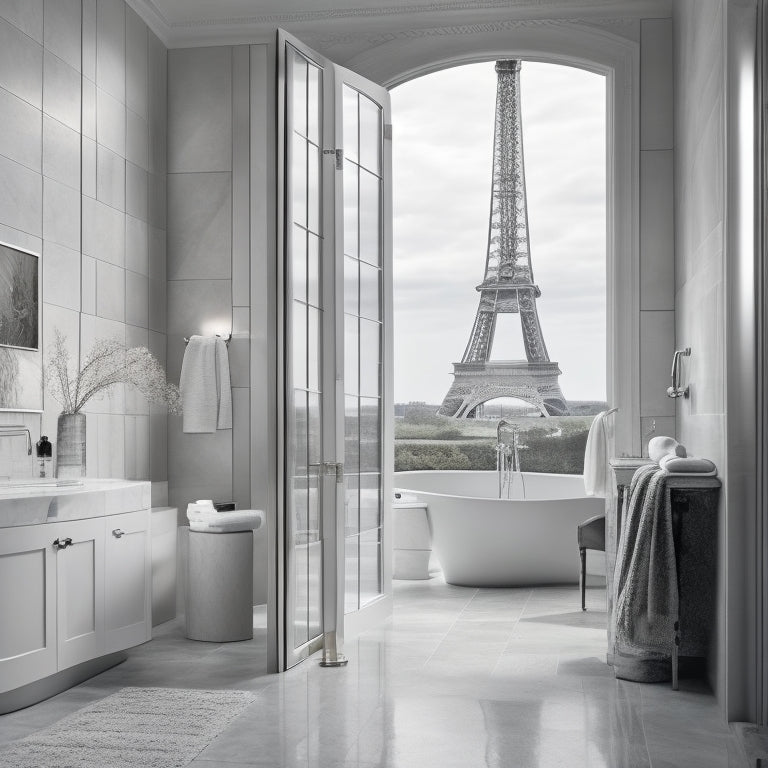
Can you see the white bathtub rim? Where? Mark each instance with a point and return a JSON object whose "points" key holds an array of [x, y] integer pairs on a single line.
{"points": [[538, 475]]}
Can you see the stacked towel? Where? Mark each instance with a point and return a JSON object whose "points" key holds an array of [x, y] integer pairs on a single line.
{"points": [[688, 465], [204, 518], [647, 601], [661, 446], [673, 457], [598, 478], [205, 385]]}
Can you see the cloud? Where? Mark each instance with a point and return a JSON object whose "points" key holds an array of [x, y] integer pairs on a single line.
{"points": [[442, 160]]}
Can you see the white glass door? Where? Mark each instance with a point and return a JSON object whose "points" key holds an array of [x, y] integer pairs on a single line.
{"points": [[335, 269], [362, 111], [304, 387]]}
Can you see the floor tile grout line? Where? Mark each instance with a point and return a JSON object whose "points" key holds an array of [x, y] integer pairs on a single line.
{"points": [[517, 621], [453, 624]]}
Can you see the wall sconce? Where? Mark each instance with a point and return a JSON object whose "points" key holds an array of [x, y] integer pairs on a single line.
{"points": [[676, 390]]}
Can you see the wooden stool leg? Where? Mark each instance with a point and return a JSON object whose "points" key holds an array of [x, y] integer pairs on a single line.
{"points": [[583, 555]]}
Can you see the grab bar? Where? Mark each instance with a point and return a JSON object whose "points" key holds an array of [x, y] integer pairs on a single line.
{"points": [[676, 390]]}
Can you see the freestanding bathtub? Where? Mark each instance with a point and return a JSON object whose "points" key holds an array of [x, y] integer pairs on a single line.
{"points": [[481, 540]]}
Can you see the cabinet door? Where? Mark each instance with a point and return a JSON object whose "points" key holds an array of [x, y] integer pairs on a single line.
{"points": [[27, 604], [128, 580], [80, 569]]}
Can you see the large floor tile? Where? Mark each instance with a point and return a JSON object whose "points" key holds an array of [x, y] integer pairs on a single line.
{"points": [[457, 677]]}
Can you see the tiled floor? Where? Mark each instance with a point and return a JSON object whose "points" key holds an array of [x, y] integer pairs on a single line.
{"points": [[458, 678]]}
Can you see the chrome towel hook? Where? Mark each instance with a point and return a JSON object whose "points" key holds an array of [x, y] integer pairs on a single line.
{"points": [[676, 390]]}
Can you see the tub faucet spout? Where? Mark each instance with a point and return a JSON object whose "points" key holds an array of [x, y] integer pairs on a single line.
{"points": [[508, 455]]}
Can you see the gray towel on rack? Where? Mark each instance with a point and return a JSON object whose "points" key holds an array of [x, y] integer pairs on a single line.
{"points": [[646, 571]]}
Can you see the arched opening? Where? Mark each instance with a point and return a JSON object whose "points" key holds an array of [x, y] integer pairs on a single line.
{"points": [[401, 58], [445, 174]]}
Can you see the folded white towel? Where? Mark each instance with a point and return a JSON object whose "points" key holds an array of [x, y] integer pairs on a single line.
{"points": [[223, 386], [198, 385], [687, 465], [598, 479], [226, 522], [200, 506], [661, 446]]}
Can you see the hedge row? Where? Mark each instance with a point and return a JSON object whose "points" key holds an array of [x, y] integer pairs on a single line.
{"points": [[564, 454]]}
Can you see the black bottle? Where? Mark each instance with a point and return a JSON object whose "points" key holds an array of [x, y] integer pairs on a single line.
{"points": [[44, 457]]}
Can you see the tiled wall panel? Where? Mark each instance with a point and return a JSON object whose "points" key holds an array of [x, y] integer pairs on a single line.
{"points": [[657, 242], [83, 123], [200, 109], [208, 256]]}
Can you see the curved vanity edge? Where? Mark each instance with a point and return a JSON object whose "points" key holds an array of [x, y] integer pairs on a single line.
{"points": [[94, 498], [39, 690]]}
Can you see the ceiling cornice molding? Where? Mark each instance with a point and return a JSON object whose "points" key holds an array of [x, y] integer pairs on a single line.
{"points": [[178, 32], [624, 25], [440, 6], [152, 18]]}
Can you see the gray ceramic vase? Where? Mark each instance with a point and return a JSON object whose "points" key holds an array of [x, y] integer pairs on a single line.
{"points": [[70, 445]]}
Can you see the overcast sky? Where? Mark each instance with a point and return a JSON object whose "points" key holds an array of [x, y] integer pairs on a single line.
{"points": [[442, 157]]}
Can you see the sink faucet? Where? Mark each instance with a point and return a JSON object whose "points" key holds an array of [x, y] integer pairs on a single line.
{"points": [[10, 430]]}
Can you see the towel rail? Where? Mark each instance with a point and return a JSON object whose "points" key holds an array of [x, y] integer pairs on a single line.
{"points": [[218, 336]]}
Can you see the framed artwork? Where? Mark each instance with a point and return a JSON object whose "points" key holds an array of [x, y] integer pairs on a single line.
{"points": [[21, 381]]}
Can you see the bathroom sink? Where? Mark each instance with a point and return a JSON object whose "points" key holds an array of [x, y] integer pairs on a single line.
{"points": [[27, 500], [38, 482], [35, 500]]}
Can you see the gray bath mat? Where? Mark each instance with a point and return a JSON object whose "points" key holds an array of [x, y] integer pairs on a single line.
{"points": [[152, 727]]}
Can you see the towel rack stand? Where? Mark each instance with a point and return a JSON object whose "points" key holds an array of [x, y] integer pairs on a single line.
{"points": [[218, 336]]}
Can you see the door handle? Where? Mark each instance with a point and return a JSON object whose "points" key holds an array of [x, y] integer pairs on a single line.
{"points": [[62, 543], [117, 533]]}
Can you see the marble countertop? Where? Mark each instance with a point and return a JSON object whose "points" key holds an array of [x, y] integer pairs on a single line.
{"points": [[30, 501]]}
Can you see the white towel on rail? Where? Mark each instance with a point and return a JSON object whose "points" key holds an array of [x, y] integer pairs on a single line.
{"points": [[598, 478], [205, 387], [198, 385]]}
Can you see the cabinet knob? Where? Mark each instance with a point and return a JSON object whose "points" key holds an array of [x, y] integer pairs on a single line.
{"points": [[62, 543], [117, 533]]}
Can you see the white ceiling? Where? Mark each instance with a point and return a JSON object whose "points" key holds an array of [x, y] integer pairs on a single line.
{"points": [[180, 22]]}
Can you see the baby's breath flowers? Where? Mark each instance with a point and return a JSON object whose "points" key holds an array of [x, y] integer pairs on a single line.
{"points": [[108, 363]]}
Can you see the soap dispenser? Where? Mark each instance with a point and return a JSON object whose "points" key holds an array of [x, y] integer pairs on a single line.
{"points": [[44, 457]]}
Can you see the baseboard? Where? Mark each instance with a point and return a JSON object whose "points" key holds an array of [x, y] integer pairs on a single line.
{"points": [[39, 690], [752, 743]]}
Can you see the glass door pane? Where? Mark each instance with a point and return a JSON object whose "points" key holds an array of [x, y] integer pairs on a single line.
{"points": [[303, 320], [363, 121]]}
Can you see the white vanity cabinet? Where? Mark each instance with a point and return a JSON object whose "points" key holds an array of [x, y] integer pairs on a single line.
{"points": [[127, 580], [79, 553], [27, 605], [72, 592]]}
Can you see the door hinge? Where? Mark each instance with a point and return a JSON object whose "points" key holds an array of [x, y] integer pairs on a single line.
{"points": [[388, 131], [339, 157]]}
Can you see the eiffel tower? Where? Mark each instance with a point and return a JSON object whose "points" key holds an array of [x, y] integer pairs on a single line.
{"points": [[508, 285]]}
